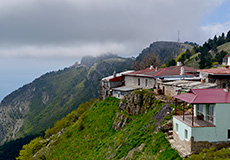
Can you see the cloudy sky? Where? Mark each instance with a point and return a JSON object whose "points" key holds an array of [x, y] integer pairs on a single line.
{"points": [[37, 36]]}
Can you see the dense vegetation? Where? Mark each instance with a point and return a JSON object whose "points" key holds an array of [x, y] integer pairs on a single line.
{"points": [[209, 54], [92, 137]]}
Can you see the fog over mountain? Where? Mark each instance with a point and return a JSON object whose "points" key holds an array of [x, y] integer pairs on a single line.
{"points": [[54, 32]]}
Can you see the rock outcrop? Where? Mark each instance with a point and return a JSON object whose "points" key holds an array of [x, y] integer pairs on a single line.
{"points": [[138, 102], [120, 121], [160, 116]]}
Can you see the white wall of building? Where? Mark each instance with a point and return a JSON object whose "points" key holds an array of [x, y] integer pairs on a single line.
{"points": [[144, 82]]}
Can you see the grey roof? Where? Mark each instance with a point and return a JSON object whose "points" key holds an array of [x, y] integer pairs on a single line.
{"points": [[125, 88], [190, 84]]}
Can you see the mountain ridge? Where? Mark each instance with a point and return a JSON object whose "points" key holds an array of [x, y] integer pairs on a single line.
{"points": [[33, 108]]}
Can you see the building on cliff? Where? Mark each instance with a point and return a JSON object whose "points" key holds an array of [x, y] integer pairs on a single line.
{"points": [[219, 76], [107, 83], [119, 85], [207, 125], [153, 78], [169, 81]]}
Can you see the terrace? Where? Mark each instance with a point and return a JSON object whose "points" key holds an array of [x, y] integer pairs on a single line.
{"points": [[193, 121]]}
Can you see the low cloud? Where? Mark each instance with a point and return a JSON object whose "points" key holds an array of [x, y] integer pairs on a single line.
{"points": [[69, 51], [56, 28]]}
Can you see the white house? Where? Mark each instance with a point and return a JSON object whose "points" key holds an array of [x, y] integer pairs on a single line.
{"points": [[107, 83], [208, 125], [226, 60]]}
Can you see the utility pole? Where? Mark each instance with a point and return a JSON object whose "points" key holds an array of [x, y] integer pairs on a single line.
{"points": [[178, 36]]}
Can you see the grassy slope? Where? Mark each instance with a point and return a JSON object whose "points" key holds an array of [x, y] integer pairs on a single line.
{"points": [[193, 62], [224, 47], [98, 140], [66, 91]]}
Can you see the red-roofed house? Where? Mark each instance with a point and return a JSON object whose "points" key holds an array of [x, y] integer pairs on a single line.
{"points": [[107, 83], [147, 78], [153, 77], [208, 125], [220, 76]]}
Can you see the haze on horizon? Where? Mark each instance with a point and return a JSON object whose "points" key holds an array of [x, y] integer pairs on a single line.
{"points": [[38, 36]]}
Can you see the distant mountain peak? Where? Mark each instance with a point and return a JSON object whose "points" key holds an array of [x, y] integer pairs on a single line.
{"points": [[91, 60], [165, 49]]}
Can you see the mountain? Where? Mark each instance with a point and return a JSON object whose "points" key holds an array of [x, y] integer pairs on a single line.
{"points": [[36, 106], [106, 131], [90, 60], [166, 50]]}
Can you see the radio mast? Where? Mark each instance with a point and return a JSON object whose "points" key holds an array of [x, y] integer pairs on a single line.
{"points": [[178, 36]]}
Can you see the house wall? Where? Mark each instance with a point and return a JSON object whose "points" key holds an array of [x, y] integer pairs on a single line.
{"points": [[171, 90], [181, 129], [105, 87], [179, 135], [205, 137], [120, 94], [131, 81], [222, 121], [222, 83], [210, 134]]}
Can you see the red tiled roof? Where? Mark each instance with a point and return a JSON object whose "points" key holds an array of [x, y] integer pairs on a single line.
{"points": [[205, 96], [115, 79], [216, 71], [173, 70]]}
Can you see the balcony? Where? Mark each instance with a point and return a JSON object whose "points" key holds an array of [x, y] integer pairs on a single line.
{"points": [[193, 121]]}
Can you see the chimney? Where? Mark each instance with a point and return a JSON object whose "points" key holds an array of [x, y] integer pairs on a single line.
{"points": [[156, 69], [202, 80], [179, 64], [114, 74], [151, 67], [182, 71]]}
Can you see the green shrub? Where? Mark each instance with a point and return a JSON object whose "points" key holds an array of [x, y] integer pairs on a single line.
{"points": [[30, 149]]}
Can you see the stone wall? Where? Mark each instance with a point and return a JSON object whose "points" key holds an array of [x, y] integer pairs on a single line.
{"points": [[197, 146], [186, 144]]}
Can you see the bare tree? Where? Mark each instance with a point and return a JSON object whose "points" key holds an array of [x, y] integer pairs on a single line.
{"points": [[146, 61]]}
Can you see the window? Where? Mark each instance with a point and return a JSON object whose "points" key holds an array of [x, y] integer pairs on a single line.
{"points": [[122, 93], [200, 109], [146, 82], [210, 116], [139, 81], [177, 127], [228, 134], [115, 92], [186, 134]]}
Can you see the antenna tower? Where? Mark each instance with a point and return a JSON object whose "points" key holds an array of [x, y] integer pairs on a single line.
{"points": [[178, 36]]}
